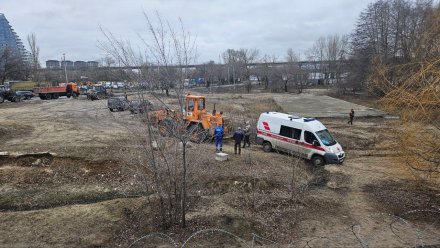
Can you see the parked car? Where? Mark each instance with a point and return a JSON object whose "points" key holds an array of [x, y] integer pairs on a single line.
{"points": [[97, 93], [140, 106], [117, 103], [6, 94], [24, 94]]}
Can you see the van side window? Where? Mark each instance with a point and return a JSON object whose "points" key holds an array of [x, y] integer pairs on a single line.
{"points": [[290, 132], [286, 131], [296, 133], [309, 137]]}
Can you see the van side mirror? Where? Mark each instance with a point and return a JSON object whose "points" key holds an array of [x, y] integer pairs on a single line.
{"points": [[316, 143]]}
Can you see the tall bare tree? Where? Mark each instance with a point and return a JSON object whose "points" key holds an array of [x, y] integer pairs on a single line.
{"points": [[388, 31], [11, 65], [170, 50], [335, 54], [292, 72], [410, 87], [316, 54], [34, 56]]}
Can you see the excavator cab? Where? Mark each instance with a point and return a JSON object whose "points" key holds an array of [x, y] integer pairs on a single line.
{"points": [[199, 122], [197, 117], [195, 107]]}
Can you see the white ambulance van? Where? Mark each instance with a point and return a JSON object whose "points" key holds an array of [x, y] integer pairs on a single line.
{"points": [[304, 137]]}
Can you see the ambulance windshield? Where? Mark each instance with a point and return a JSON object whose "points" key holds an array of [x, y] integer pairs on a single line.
{"points": [[326, 138]]}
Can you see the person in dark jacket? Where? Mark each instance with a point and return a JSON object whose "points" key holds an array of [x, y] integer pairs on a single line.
{"points": [[218, 133], [351, 116], [247, 134], [238, 138]]}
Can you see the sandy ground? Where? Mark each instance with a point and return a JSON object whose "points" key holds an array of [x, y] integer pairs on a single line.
{"points": [[84, 194], [323, 106]]}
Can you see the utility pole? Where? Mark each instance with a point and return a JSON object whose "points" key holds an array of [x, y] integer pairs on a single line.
{"points": [[65, 68]]}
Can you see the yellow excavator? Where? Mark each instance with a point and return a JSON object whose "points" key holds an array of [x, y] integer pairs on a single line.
{"points": [[200, 123]]}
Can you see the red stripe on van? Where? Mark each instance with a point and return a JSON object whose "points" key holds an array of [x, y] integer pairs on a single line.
{"points": [[293, 141], [266, 125]]}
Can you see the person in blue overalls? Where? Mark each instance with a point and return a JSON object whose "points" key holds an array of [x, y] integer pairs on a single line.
{"points": [[218, 133]]}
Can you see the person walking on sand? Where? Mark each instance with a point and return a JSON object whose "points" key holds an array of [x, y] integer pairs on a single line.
{"points": [[218, 133], [238, 138], [351, 116]]}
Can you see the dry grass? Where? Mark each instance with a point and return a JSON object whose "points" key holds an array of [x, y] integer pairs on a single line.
{"points": [[251, 193]]}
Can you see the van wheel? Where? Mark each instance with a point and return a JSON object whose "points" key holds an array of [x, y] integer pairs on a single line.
{"points": [[318, 160], [267, 147]]}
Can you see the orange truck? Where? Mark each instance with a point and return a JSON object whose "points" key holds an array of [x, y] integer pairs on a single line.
{"points": [[54, 92]]}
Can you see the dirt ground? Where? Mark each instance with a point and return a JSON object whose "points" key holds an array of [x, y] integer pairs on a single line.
{"points": [[66, 180]]}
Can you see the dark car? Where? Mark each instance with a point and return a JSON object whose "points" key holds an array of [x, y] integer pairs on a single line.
{"points": [[25, 94], [97, 93], [139, 106], [117, 103], [6, 94]]}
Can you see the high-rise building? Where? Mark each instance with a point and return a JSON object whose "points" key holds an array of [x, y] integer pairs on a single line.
{"points": [[80, 65], [53, 64], [10, 40], [69, 65], [92, 64]]}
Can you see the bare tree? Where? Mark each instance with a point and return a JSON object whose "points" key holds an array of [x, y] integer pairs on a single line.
{"points": [[247, 57], [231, 59], [238, 64], [316, 55], [388, 32], [171, 50], [34, 56], [335, 55], [11, 65], [210, 71], [410, 87], [267, 72], [292, 72]]}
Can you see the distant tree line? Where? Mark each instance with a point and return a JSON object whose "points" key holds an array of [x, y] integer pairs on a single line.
{"points": [[388, 32], [398, 42]]}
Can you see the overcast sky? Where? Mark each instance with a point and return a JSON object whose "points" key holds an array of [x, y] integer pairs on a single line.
{"points": [[272, 26]]}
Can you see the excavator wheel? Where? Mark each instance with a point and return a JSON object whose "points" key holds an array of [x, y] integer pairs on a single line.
{"points": [[166, 126], [198, 133]]}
